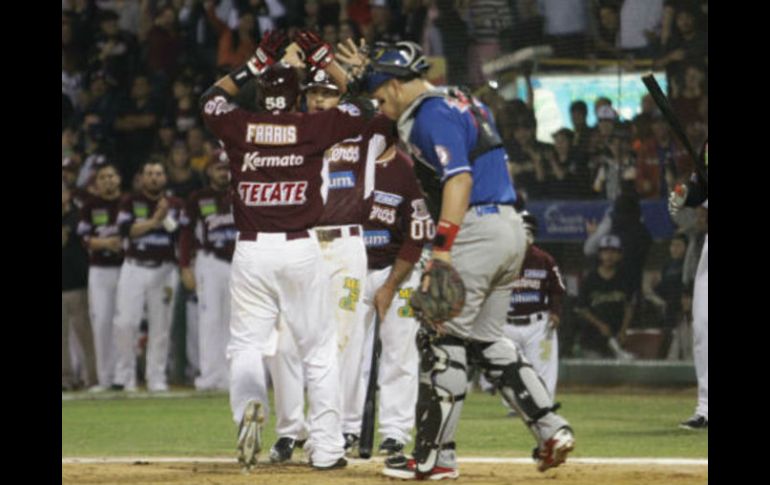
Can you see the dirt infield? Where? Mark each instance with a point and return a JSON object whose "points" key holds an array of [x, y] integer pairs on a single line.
{"points": [[144, 473]]}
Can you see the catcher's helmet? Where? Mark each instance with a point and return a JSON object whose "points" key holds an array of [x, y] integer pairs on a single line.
{"points": [[530, 222], [278, 88], [318, 78], [402, 60]]}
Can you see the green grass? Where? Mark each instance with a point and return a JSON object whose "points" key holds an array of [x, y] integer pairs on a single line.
{"points": [[606, 424]]}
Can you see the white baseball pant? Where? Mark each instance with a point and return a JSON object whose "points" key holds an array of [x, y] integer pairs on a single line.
{"points": [[700, 327], [272, 276], [539, 347], [345, 263], [212, 280], [102, 296], [137, 286], [399, 359]]}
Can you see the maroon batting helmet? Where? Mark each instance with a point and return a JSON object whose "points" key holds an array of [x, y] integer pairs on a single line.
{"points": [[278, 88], [318, 78]]}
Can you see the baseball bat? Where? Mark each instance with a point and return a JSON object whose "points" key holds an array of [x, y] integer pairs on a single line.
{"points": [[665, 108], [366, 440]]}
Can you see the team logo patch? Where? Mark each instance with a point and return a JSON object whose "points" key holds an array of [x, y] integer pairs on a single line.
{"points": [[342, 180], [535, 273], [443, 155], [100, 217], [273, 193], [386, 198], [140, 210], [207, 207], [420, 209], [376, 239], [386, 215], [350, 109], [218, 106], [528, 297]]}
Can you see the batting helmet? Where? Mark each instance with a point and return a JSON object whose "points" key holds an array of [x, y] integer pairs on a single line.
{"points": [[278, 88], [318, 78], [530, 222], [402, 60]]}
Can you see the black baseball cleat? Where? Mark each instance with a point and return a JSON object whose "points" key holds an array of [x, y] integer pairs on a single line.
{"points": [[282, 450], [341, 463], [351, 442], [390, 447], [695, 422]]}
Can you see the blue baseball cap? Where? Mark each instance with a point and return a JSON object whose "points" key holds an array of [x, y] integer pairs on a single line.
{"points": [[402, 60]]}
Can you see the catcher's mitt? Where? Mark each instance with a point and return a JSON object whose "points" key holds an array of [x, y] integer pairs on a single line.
{"points": [[444, 297]]}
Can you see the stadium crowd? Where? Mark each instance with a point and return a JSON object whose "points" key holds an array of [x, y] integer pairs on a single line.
{"points": [[133, 71]]}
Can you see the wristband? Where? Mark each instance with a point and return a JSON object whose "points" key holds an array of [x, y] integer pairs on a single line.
{"points": [[242, 75], [446, 232]]}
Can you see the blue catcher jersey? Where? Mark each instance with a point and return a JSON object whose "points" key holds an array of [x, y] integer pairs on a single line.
{"points": [[444, 134]]}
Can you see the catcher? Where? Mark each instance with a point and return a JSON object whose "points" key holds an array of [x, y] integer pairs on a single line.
{"points": [[476, 257]]}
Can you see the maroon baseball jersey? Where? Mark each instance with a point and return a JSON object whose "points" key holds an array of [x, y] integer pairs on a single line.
{"points": [[153, 246], [276, 160], [99, 219], [399, 223], [208, 224], [540, 286], [351, 169]]}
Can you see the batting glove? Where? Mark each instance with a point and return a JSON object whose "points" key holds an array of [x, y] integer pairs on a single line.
{"points": [[317, 52], [676, 199], [268, 52]]}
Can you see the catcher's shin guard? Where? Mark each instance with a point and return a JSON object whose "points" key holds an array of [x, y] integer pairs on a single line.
{"points": [[519, 385], [443, 382]]}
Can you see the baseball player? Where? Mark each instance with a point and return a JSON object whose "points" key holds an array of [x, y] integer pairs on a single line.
{"points": [[149, 222], [98, 228], [397, 228], [535, 309], [462, 166], [350, 165], [692, 194], [208, 233], [276, 159]]}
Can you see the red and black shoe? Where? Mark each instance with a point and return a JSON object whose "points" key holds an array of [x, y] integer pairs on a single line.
{"points": [[399, 466]]}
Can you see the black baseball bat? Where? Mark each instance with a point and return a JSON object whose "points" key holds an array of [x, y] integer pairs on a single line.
{"points": [[665, 108], [366, 440]]}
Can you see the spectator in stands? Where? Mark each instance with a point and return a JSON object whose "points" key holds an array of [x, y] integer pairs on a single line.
{"points": [[349, 30], [384, 26], [578, 112], [661, 162], [489, 20], [640, 22], [690, 45], [641, 125], [667, 293], [566, 25], [625, 221], [129, 14], [235, 45], [680, 347], [616, 165], [530, 159], [164, 47], [101, 98], [605, 303], [605, 38], [606, 119], [182, 179], [135, 126], [454, 34], [74, 297], [570, 167], [196, 147], [529, 25], [688, 101], [114, 51]]}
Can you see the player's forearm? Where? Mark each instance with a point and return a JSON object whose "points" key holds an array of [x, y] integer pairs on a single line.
{"points": [[455, 198], [400, 270], [139, 229], [101, 243], [338, 75]]}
